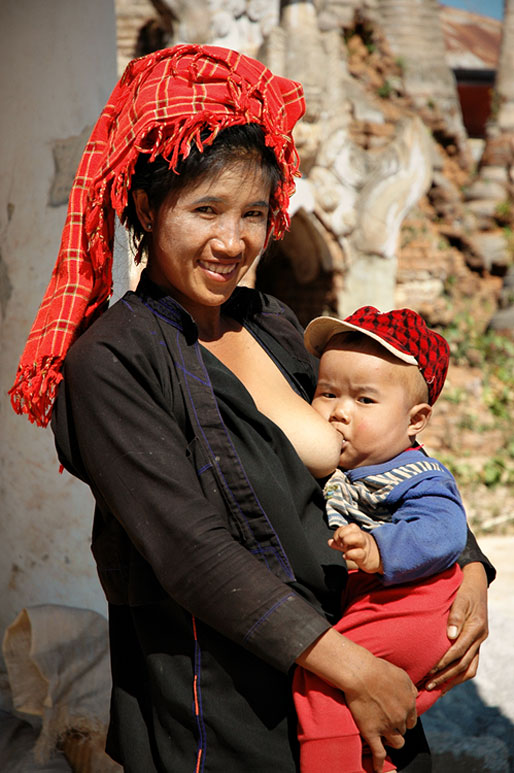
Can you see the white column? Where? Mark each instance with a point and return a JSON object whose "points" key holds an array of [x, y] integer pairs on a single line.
{"points": [[57, 69]]}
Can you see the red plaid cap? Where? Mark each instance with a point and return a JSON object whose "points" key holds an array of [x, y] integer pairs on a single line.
{"points": [[401, 331], [160, 106]]}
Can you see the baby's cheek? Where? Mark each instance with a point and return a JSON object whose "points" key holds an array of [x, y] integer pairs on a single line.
{"points": [[361, 427]]}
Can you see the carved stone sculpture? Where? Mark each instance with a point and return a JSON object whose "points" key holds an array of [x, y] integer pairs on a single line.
{"points": [[360, 197]]}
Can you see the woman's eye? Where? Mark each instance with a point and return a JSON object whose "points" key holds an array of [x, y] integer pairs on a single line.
{"points": [[255, 213], [205, 209]]}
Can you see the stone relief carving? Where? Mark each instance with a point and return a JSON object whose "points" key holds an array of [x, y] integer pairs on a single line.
{"points": [[395, 180], [238, 24], [360, 197]]}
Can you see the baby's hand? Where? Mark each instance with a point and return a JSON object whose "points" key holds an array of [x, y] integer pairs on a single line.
{"points": [[358, 546]]}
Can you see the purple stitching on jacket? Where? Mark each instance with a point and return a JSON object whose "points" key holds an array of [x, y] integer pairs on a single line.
{"points": [[267, 614]]}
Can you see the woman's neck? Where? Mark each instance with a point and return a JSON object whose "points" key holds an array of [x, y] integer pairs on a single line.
{"points": [[213, 326], [208, 319]]}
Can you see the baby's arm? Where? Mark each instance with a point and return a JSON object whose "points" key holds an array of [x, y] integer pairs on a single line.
{"points": [[428, 530], [358, 546]]}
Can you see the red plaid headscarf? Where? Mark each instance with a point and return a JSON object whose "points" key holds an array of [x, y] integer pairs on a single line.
{"points": [[159, 107]]}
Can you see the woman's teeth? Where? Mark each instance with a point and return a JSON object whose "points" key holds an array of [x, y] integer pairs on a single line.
{"points": [[217, 268]]}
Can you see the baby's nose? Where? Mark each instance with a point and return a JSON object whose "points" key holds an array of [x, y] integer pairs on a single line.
{"points": [[341, 412]]}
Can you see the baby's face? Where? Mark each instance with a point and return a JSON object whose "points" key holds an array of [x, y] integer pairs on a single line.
{"points": [[365, 397]]}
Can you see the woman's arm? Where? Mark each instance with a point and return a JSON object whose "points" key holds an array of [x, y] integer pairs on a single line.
{"points": [[467, 622], [467, 626], [472, 554], [380, 696]]}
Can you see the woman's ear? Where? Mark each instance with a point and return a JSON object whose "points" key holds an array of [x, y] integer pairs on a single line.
{"points": [[143, 210], [419, 416]]}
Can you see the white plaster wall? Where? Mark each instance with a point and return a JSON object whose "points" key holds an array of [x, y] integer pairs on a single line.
{"points": [[57, 69]]}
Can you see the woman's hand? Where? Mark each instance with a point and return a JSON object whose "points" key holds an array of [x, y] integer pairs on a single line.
{"points": [[467, 626], [380, 696]]}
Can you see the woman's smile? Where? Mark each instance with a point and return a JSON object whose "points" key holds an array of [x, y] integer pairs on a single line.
{"points": [[218, 268]]}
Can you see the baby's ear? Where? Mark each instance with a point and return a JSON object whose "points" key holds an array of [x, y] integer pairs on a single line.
{"points": [[419, 416]]}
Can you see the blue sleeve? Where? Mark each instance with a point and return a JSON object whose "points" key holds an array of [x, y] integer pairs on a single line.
{"points": [[427, 533]]}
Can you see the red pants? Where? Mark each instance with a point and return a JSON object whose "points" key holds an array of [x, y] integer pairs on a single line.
{"points": [[404, 624]]}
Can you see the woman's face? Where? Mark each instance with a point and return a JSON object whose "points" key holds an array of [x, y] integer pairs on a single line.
{"points": [[205, 239]]}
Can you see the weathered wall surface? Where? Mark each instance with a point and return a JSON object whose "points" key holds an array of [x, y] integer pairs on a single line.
{"points": [[57, 70]]}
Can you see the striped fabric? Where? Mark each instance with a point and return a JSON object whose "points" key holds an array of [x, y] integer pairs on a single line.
{"points": [[362, 501], [159, 107]]}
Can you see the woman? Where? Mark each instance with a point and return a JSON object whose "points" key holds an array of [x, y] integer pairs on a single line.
{"points": [[208, 533]]}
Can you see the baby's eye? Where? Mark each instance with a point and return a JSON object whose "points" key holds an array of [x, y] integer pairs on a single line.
{"points": [[365, 400]]}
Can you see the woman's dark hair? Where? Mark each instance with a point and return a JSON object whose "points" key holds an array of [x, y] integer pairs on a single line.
{"points": [[159, 181]]}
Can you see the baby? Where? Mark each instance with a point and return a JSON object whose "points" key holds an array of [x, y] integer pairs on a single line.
{"points": [[397, 512]]}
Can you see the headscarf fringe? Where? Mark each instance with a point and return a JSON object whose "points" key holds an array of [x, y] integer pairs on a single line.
{"points": [[33, 392]]}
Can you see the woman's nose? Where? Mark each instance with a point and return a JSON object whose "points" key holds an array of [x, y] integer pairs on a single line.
{"points": [[229, 238]]}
